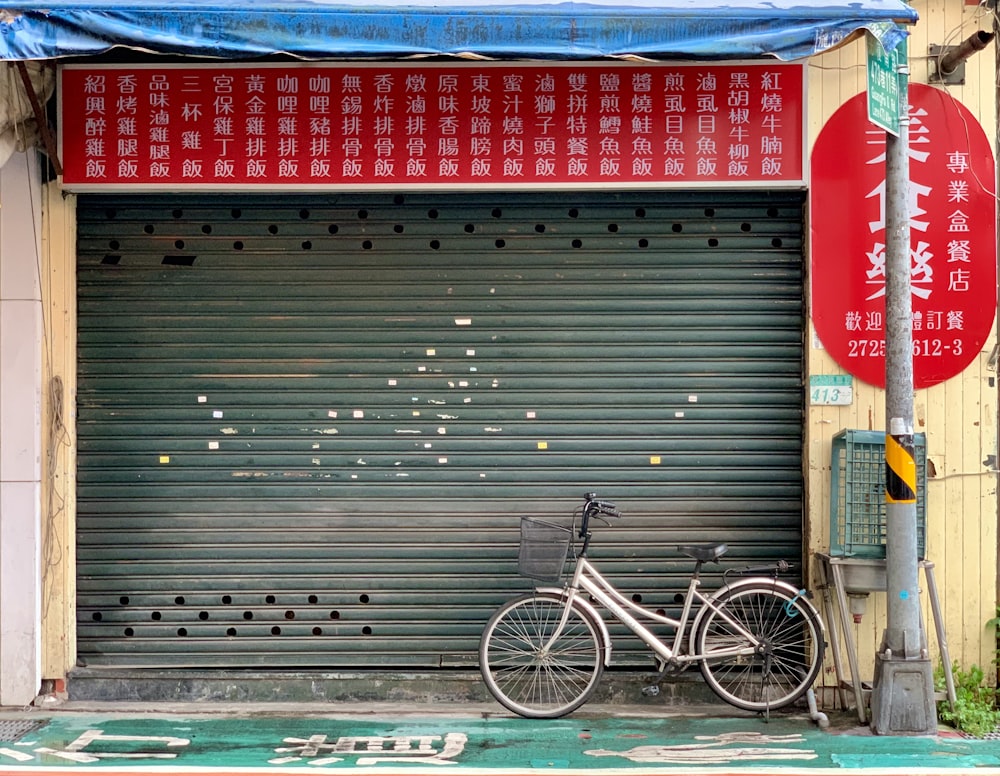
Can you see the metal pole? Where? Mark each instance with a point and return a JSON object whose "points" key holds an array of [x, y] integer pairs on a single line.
{"points": [[903, 690]]}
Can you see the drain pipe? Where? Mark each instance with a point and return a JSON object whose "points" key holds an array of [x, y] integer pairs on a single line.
{"points": [[815, 714]]}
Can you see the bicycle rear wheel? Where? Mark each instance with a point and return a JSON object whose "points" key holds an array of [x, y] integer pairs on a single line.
{"points": [[784, 665], [526, 673]]}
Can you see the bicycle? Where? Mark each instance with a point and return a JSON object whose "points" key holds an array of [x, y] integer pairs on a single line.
{"points": [[758, 640]]}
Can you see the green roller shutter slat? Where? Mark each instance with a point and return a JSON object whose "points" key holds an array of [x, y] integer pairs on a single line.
{"points": [[308, 425]]}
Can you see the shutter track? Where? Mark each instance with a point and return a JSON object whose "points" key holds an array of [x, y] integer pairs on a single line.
{"points": [[307, 425]]}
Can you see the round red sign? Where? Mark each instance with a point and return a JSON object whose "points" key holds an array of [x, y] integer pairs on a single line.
{"points": [[953, 276]]}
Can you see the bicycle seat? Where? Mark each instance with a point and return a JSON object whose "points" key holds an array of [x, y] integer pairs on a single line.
{"points": [[703, 552]]}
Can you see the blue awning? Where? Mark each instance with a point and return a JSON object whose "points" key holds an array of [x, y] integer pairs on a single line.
{"points": [[324, 29]]}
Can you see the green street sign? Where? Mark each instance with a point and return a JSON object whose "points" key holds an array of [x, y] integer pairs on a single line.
{"points": [[883, 84]]}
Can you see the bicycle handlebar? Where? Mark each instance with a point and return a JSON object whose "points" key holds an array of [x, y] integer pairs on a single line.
{"points": [[593, 507]]}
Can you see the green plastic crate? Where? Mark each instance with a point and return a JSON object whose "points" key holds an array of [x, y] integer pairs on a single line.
{"points": [[857, 493]]}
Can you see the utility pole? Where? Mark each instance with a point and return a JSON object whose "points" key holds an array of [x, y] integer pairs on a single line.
{"points": [[902, 700]]}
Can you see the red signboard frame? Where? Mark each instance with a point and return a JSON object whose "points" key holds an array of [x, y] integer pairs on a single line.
{"points": [[953, 272], [418, 125]]}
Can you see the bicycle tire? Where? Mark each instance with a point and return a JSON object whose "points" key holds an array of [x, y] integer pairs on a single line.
{"points": [[525, 679], [790, 659]]}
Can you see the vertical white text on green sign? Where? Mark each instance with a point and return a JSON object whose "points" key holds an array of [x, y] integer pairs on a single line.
{"points": [[883, 84]]}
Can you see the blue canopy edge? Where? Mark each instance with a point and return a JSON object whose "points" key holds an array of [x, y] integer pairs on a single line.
{"points": [[318, 29]]}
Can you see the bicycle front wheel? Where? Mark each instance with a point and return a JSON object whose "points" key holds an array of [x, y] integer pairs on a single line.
{"points": [[785, 662], [532, 667]]}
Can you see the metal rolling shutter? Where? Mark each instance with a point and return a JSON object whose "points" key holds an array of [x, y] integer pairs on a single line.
{"points": [[308, 425]]}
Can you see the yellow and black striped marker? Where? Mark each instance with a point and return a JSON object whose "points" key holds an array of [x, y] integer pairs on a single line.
{"points": [[900, 469]]}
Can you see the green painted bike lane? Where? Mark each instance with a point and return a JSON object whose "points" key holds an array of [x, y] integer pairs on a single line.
{"points": [[470, 744]]}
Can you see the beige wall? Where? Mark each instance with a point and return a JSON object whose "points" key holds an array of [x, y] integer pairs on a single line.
{"points": [[21, 349], [959, 416]]}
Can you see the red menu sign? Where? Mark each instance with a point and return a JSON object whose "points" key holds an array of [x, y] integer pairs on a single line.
{"points": [[953, 271], [420, 125]]}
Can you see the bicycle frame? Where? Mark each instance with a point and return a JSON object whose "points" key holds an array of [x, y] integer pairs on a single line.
{"points": [[587, 579]]}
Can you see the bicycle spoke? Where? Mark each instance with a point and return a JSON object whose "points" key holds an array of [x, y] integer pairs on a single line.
{"points": [[534, 668], [788, 653]]}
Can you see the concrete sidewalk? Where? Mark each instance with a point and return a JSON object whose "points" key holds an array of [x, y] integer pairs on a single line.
{"points": [[480, 739]]}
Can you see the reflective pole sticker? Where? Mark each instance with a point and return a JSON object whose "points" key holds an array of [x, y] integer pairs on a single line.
{"points": [[900, 469]]}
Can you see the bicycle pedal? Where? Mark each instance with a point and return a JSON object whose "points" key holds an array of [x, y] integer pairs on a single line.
{"points": [[651, 691]]}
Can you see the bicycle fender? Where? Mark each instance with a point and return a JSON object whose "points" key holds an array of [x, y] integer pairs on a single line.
{"points": [[752, 582], [591, 610]]}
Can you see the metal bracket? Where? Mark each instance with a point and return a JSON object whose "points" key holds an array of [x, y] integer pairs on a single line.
{"points": [[956, 76]]}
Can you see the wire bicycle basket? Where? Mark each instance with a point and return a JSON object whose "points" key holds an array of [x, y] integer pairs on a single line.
{"points": [[543, 550]]}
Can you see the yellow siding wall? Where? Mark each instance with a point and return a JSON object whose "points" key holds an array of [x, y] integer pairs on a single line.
{"points": [[959, 416], [59, 433]]}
